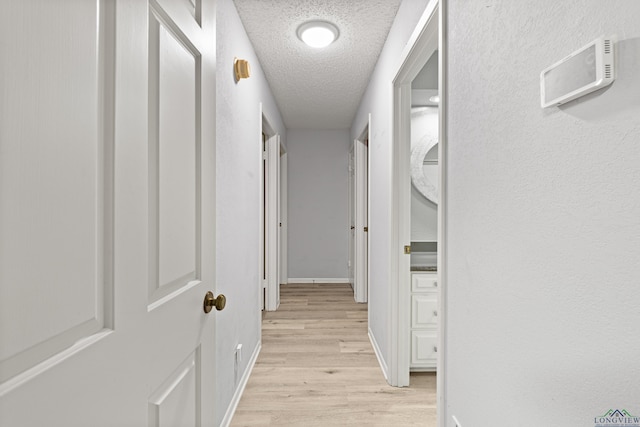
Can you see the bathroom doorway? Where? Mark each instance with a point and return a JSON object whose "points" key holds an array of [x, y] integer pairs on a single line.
{"points": [[416, 308], [360, 234]]}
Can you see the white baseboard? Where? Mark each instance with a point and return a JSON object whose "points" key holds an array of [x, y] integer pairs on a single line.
{"points": [[319, 280], [233, 405], [381, 362]]}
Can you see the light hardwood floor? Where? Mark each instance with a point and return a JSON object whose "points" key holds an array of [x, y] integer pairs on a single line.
{"points": [[317, 368]]}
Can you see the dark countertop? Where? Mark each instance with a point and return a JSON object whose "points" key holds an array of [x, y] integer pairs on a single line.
{"points": [[421, 268]]}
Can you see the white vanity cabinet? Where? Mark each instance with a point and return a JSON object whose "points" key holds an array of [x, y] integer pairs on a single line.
{"points": [[424, 321]]}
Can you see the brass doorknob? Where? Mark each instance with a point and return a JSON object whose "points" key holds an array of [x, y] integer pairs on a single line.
{"points": [[209, 302]]}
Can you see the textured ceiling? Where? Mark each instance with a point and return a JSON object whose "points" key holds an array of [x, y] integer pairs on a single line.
{"points": [[317, 88]]}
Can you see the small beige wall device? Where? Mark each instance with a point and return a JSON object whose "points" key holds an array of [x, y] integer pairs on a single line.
{"points": [[584, 71]]}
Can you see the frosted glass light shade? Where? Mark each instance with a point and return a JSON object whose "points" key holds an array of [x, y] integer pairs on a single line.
{"points": [[318, 34]]}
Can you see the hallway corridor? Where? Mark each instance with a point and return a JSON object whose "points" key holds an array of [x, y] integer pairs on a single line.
{"points": [[317, 368]]}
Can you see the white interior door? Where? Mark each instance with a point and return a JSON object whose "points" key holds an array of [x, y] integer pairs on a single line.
{"points": [[107, 213], [423, 42], [284, 218], [361, 220], [352, 215], [272, 223], [263, 222]]}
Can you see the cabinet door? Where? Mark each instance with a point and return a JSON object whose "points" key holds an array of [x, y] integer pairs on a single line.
{"points": [[424, 349], [424, 311], [421, 282]]}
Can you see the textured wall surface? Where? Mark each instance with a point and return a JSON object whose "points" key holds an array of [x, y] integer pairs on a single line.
{"points": [[318, 203], [238, 190], [543, 219], [378, 101]]}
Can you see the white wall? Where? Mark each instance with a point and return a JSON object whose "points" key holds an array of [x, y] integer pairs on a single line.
{"points": [[238, 199], [318, 203], [543, 219], [378, 101]]}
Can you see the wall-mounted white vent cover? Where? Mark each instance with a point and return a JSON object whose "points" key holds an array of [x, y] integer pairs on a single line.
{"points": [[584, 71]]}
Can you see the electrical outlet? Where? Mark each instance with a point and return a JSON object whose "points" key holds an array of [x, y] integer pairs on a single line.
{"points": [[456, 423]]}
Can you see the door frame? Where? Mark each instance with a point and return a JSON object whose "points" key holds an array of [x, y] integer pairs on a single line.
{"points": [[443, 245], [284, 217], [270, 216], [266, 132], [425, 40], [274, 153], [352, 217], [361, 258]]}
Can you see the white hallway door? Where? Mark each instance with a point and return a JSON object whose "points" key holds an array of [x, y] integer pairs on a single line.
{"points": [[107, 155], [361, 253], [273, 223], [352, 216]]}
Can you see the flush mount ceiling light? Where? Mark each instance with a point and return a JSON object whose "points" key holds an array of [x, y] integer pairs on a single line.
{"points": [[318, 34]]}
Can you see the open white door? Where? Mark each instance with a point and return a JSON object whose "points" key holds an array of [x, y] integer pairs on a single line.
{"points": [[423, 42], [284, 217], [361, 276], [107, 213], [272, 223], [352, 216]]}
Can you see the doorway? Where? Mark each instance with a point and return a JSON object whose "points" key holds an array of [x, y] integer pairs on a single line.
{"points": [[423, 44], [273, 216], [359, 234], [352, 217]]}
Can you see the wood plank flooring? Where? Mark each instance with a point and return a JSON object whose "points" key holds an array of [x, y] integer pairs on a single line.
{"points": [[317, 368]]}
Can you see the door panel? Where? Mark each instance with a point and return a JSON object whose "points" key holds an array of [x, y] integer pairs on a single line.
{"points": [[176, 403], [52, 184], [278, 248], [107, 213], [173, 117], [361, 221], [352, 216], [284, 194]]}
